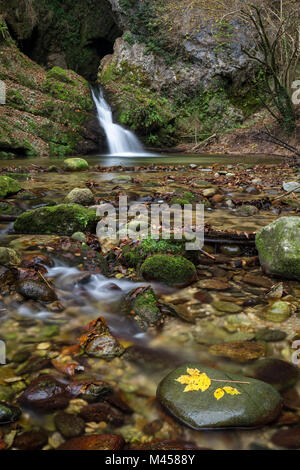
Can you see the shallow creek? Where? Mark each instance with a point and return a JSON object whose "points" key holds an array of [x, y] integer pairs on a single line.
{"points": [[31, 328]]}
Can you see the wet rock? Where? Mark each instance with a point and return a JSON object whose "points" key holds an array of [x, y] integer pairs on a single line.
{"points": [[255, 404], [94, 442], [121, 179], [99, 342], [8, 186], [292, 186], [6, 393], [257, 280], [75, 164], [37, 290], [214, 284], [69, 425], [191, 312], [88, 389], [98, 412], [203, 296], [270, 336], [278, 246], [174, 271], [288, 438], [9, 413], [230, 250], [79, 237], [7, 276], [280, 374], [63, 219], [9, 257], [246, 211], [142, 304], [83, 196], [239, 351], [45, 394], [226, 307], [166, 445], [209, 192], [252, 190], [31, 441], [278, 312], [32, 261]]}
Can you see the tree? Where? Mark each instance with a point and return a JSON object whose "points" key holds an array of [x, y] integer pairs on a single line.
{"points": [[277, 40]]}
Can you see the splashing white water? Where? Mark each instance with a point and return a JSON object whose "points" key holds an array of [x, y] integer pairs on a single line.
{"points": [[121, 142]]}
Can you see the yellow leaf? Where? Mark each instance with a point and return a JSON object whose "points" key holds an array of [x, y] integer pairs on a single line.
{"points": [[219, 393], [231, 391], [194, 381]]}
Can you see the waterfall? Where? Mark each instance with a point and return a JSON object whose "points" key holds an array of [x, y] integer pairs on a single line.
{"points": [[121, 142]]}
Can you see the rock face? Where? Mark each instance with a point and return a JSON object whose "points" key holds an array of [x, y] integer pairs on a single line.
{"points": [[251, 404], [64, 219], [278, 245]]}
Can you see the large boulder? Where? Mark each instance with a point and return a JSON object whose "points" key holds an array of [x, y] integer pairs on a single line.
{"points": [[64, 219], [206, 398], [278, 246], [75, 164], [174, 271]]}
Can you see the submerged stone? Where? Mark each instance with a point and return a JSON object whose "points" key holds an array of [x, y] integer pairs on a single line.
{"points": [[270, 336], [9, 413], [252, 404], [239, 351], [94, 442], [277, 312], [64, 219], [33, 440], [246, 211], [75, 164], [69, 425], [174, 271], [278, 246], [226, 307], [9, 257], [280, 374], [45, 394]]}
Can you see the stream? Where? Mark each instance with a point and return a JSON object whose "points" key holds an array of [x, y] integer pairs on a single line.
{"points": [[33, 330]]}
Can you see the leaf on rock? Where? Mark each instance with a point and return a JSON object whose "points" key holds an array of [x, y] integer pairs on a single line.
{"points": [[194, 381], [219, 393]]}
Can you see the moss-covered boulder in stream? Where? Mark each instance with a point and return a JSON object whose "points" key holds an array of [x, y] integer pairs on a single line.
{"points": [[205, 398], [64, 219], [8, 186], [83, 196], [174, 271], [75, 164], [278, 246]]}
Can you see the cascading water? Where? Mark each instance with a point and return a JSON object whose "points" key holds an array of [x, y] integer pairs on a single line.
{"points": [[121, 142]]}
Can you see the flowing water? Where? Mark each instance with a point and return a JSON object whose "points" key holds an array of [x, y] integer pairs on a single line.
{"points": [[121, 142]]}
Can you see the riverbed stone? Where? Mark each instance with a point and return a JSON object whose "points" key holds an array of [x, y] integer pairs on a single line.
{"points": [[83, 196], [9, 257], [94, 442], [33, 440], [69, 425], [99, 342], [142, 304], [98, 412], [224, 307], [63, 219], [75, 164], [280, 374], [256, 404], [9, 413], [44, 394], [239, 351], [277, 312], [174, 271], [287, 438], [278, 246], [246, 211], [37, 290], [8, 186]]}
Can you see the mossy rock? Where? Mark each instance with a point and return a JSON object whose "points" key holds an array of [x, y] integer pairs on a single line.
{"points": [[174, 271], [8, 186], [75, 164], [143, 304], [9, 209], [9, 257], [64, 219], [185, 198], [278, 246], [277, 312], [256, 404], [83, 196]]}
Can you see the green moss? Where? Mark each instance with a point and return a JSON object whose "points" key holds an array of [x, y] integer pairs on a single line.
{"points": [[145, 307], [8, 186], [57, 73], [75, 164], [173, 271], [64, 219], [133, 257]]}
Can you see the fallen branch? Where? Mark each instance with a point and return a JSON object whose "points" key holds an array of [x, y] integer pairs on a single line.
{"points": [[203, 142]]}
